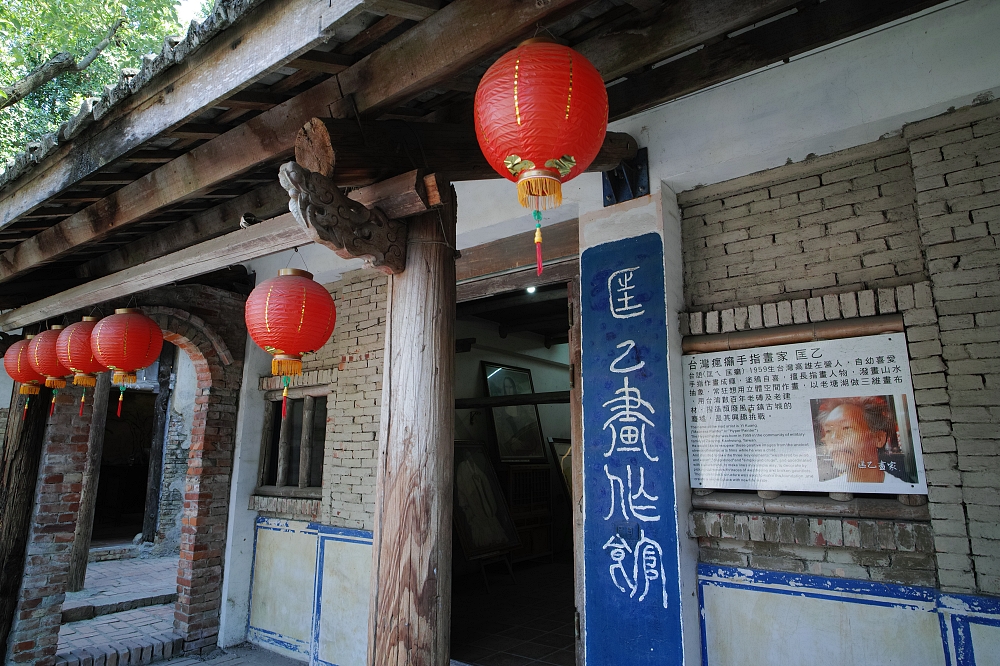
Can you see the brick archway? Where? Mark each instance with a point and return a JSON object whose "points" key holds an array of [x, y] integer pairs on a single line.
{"points": [[206, 489]]}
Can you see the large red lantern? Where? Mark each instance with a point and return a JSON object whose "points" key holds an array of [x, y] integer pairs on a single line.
{"points": [[541, 115], [124, 342], [288, 316], [74, 351], [15, 362], [43, 358]]}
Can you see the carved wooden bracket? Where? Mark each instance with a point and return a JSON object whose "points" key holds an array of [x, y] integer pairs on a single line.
{"points": [[346, 226]]}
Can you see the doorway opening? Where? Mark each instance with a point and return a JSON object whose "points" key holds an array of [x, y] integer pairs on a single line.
{"points": [[512, 584]]}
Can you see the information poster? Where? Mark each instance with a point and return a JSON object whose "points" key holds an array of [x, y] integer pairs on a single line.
{"points": [[829, 416]]}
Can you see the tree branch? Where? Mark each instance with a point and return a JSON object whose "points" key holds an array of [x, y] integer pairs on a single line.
{"points": [[53, 67]]}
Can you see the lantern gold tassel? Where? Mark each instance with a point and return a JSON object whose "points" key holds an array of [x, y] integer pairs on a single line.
{"points": [[286, 366], [122, 377], [29, 389], [539, 190], [55, 382], [81, 379]]}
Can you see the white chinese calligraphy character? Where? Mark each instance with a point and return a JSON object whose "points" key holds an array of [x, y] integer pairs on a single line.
{"points": [[619, 294], [649, 556], [618, 548], [630, 344], [625, 414], [618, 492]]}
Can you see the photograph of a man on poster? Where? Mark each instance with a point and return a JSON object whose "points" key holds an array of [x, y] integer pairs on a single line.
{"points": [[864, 440]]}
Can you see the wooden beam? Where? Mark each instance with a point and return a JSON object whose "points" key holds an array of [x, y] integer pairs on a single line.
{"points": [[549, 398], [370, 35], [559, 241], [439, 47], [560, 271], [80, 554], [21, 455], [410, 609], [473, 308], [413, 11], [265, 39], [326, 62], [264, 202], [281, 233], [812, 26], [161, 418], [442, 46], [681, 25]]}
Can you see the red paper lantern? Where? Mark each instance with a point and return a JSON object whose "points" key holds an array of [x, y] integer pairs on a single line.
{"points": [[75, 353], [124, 342], [541, 115], [288, 316], [15, 362], [43, 358]]}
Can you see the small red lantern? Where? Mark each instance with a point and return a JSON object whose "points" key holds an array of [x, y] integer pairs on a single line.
{"points": [[73, 349], [288, 316], [124, 342], [43, 358], [15, 362], [541, 115]]}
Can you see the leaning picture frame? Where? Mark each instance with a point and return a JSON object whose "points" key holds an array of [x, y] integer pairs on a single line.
{"points": [[517, 428], [481, 516]]}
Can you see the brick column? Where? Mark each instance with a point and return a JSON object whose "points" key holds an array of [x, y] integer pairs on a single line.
{"points": [[956, 168], [35, 632]]}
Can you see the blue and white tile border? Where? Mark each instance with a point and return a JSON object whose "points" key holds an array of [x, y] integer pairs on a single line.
{"points": [[955, 612], [326, 535]]}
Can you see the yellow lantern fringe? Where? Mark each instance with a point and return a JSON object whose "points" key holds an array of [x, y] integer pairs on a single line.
{"points": [[29, 389], [82, 379], [121, 377], [539, 193], [286, 366], [55, 382]]}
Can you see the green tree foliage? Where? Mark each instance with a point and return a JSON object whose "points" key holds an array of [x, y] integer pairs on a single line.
{"points": [[32, 31]]}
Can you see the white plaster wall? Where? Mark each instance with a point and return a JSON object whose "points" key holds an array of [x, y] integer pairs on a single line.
{"points": [[6, 388], [827, 100], [240, 528], [549, 372]]}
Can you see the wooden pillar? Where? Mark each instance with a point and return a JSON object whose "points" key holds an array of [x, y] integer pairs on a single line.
{"points": [[305, 443], [91, 479], [284, 449], [22, 451], [160, 419], [410, 611]]}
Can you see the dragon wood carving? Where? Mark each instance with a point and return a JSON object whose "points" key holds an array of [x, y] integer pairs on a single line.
{"points": [[349, 228]]}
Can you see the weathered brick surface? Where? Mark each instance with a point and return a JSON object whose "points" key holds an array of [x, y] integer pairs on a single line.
{"points": [[959, 219], [351, 364], [35, 631], [843, 222]]}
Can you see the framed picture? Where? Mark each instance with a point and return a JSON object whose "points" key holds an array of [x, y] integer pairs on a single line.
{"points": [[481, 517], [517, 429], [562, 453]]}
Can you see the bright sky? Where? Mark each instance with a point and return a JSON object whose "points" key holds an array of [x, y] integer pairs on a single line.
{"points": [[187, 10]]}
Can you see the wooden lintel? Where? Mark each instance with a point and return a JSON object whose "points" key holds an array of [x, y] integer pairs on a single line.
{"points": [[550, 398], [322, 61], [559, 241], [413, 11], [400, 196]]}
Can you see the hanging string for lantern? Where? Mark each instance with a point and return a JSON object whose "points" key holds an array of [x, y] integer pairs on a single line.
{"points": [[83, 399], [284, 395], [121, 398], [24, 414], [52, 405], [537, 214]]}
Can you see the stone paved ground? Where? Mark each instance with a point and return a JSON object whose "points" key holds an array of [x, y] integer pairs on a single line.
{"points": [[245, 655], [119, 580], [117, 628]]}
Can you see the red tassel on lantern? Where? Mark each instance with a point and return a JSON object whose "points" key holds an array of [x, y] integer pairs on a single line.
{"points": [[43, 358], [15, 362], [288, 316], [541, 114]]}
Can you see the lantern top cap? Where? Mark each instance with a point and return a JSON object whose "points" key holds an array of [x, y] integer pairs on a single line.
{"points": [[541, 39], [56, 327], [89, 319], [127, 311], [295, 271]]}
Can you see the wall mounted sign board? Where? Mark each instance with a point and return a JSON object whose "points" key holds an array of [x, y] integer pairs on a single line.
{"points": [[630, 526], [828, 416]]}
